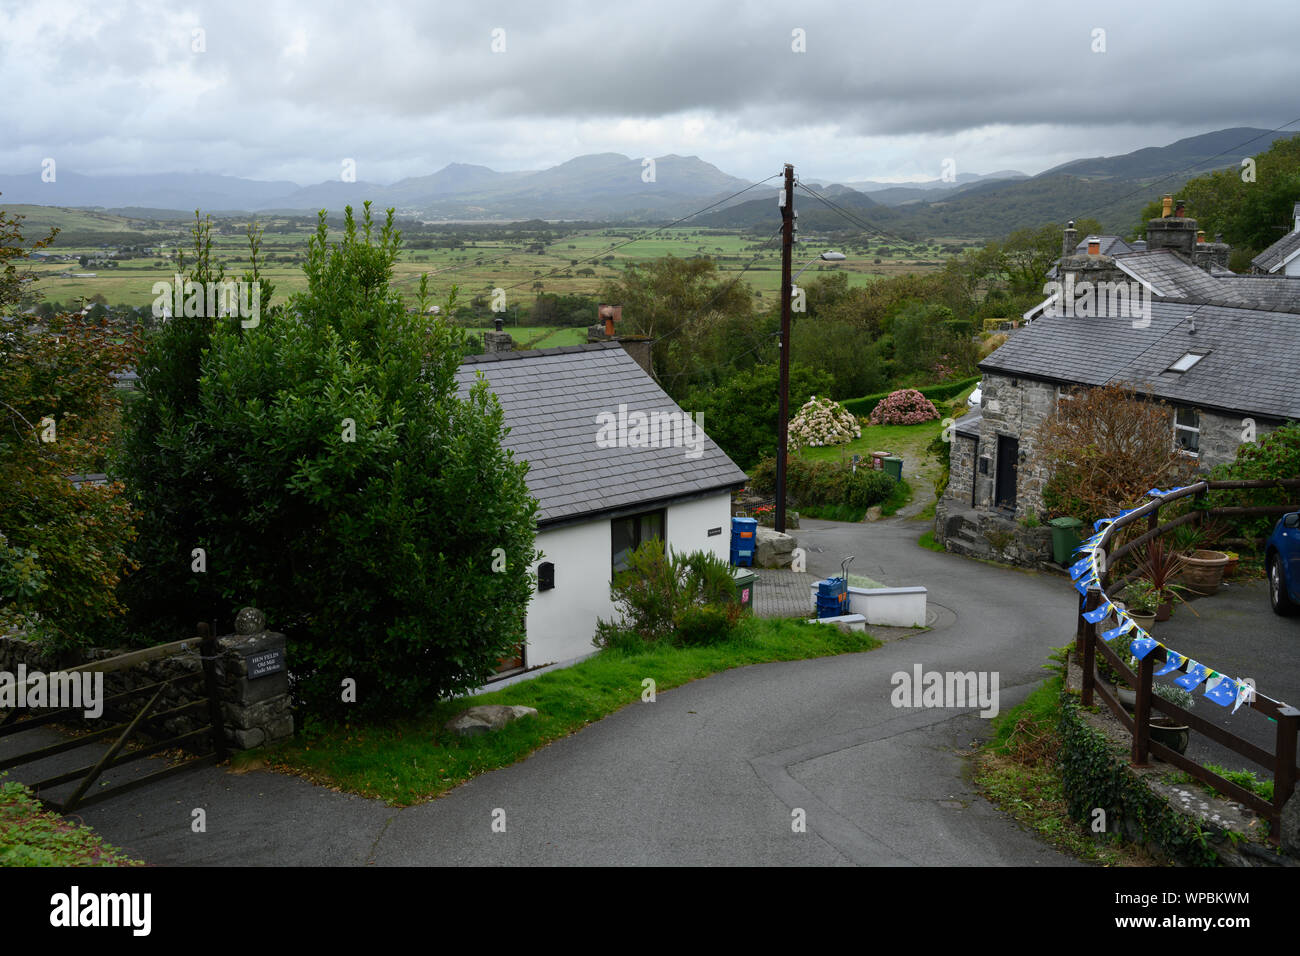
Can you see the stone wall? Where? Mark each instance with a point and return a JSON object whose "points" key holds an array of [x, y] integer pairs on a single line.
{"points": [[255, 710], [1015, 407], [962, 464], [1221, 435]]}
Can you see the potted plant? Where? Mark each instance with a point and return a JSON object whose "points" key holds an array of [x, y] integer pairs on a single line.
{"points": [[1159, 566], [1203, 568], [1140, 601], [1230, 569], [1163, 730]]}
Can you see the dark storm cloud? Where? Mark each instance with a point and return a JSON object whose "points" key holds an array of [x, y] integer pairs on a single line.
{"points": [[284, 88]]}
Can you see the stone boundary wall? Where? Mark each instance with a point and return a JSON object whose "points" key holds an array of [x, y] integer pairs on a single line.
{"points": [[256, 710]]}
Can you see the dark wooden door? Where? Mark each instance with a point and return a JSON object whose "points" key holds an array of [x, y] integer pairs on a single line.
{"points": [[1004, 487]]}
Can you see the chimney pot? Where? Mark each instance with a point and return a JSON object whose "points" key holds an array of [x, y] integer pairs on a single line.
{"points": [[1167, 206], [499, 323], [1178, 208], [1094, 246]]}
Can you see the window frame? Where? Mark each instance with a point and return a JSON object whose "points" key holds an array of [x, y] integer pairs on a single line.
{"points": [[1192, 429], [639, 537]]}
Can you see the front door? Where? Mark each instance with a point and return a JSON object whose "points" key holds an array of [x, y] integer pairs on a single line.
{"points": [[1004, 487]]}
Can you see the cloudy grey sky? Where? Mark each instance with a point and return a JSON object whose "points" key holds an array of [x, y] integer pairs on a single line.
{"points": [[285, 89]]}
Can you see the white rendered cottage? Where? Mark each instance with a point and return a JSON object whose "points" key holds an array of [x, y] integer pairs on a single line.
{"points": [[602, 485]]}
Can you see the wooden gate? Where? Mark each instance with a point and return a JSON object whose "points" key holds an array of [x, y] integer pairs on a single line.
{"points": [[132, 719]]}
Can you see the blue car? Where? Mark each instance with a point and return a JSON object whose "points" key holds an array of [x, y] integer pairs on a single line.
{"points": [[1282, 563]]}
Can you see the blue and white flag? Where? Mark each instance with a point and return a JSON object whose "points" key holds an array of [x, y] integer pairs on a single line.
{"points": [[1143, 646], [1173, 661], [1080, 567], [1097, 613], [1195, 674], [1223, 692], [1125, 625]]}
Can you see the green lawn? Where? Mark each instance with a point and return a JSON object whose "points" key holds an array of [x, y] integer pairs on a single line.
{"points": [[542, 336], [410, 761], [901, 440]]}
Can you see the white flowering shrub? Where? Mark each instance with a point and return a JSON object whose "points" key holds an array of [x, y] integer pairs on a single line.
{"points": [[823, 422]]}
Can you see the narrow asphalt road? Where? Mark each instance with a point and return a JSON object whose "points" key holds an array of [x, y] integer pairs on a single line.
{"points": [[716, 772]]}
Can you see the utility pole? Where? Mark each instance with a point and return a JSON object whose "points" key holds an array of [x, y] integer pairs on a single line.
{"points": [[783, 420]]}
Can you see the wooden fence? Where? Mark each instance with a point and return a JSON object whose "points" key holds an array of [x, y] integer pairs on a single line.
{"points": [[132, 720], [1281, 762]]}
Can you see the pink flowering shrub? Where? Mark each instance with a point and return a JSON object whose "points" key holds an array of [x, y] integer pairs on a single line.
{"points": [[906, 406]]}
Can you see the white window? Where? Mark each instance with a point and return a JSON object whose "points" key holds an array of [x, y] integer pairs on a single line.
{"points": [[1187, 431], [1186, 362]]}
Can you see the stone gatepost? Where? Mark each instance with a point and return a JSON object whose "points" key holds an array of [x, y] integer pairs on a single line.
{"points": [[254, 681]]}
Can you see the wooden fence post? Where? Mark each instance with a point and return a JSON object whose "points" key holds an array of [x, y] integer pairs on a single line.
{"points": [[1284, 774], [1142, 711], [208, 653], [1088, 637]]}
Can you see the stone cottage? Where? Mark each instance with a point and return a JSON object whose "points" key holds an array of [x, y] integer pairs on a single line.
{"points": [[1222, 349]]}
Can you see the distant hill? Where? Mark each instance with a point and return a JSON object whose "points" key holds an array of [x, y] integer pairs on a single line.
{"points": [[1188, 157], [611, 186], [1110, 189], [597, 186]]}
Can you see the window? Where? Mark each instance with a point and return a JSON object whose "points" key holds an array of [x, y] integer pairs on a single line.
{"points": [[1186, 362], [628, 534], [1187, 431]]}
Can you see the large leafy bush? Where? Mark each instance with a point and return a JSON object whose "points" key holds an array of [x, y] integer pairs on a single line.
{"points": [[335, 480], [62, 547], [820, 483], [1274, 455], [822, 422], [906, 406], [741, 414], [1103, 448], [668, 597]]}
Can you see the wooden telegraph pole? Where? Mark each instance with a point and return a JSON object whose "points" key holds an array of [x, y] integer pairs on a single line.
{"points": [[783, 421]]}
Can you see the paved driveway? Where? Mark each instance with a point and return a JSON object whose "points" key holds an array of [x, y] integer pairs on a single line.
{"points": [[711, 773]]}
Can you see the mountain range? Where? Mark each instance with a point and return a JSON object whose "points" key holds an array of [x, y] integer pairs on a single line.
{"points": [[611, 186]]}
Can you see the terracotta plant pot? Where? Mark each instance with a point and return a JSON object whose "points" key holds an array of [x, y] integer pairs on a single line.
{"points": [[1230, 569], [1203, 570], [1164, 610]]}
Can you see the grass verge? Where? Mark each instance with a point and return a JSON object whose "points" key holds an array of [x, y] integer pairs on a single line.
{"points": [[413, 760], [30, 835], [927, 541], [1019, 772]]}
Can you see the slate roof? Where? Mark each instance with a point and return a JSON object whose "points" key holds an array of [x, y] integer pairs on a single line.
{"points": [[1250, 368], [551, 398], [1264, 291], [1167, 274], [969, 424], [1110, 246], [1275, 255]]}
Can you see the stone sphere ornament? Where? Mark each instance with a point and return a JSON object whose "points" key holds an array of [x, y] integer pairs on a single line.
{"points": [[250, 620]]}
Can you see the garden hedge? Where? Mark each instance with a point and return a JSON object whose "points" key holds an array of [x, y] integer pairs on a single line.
{"points": [[935, 393]]}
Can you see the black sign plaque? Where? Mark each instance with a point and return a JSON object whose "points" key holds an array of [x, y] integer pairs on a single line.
{"points": [[265, 663], [714, 532]]}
